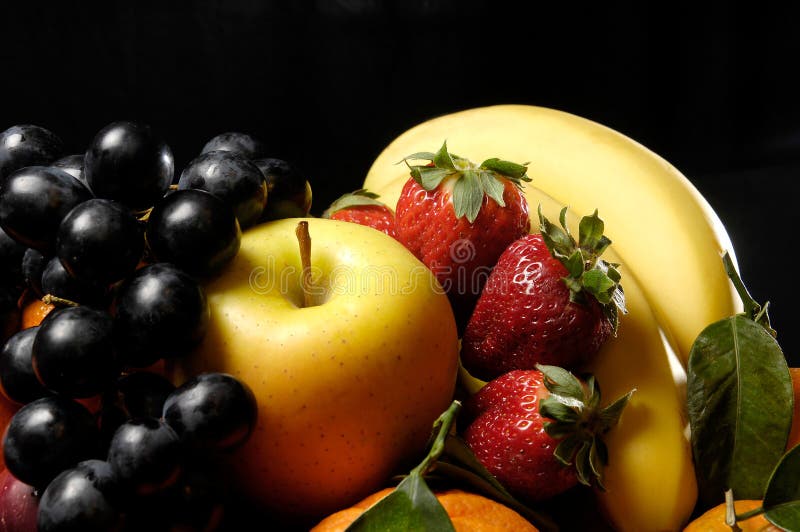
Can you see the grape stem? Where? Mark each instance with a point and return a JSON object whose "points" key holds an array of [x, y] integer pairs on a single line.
{"points": [[304, 240]]}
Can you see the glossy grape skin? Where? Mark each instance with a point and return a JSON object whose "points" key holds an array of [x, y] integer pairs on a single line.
{"points": [[100, 241], [145, 455], [47, 436], [11, 254], [136, 395], [193, 230], [73, 165], [27, 145], [233, 179], [242, 143], [80, 498], [288, 191], [34, 200], [9, 312], [17, 378], [159, 312], [73, 352], [33, 265], [212, 411], [57, 281], [143, 393], [127, 162]]}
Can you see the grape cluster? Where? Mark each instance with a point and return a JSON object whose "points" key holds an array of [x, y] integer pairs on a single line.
{"points": [[121, 246]]}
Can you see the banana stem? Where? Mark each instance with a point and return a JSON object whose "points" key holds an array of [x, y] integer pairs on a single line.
{"points": [[304, 240]]}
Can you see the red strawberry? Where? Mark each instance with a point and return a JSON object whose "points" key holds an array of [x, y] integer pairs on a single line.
{"points": [[362, 207], [458, 217], [549, 300], [539, 431]]}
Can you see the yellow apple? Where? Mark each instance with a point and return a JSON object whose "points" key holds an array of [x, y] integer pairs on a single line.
{"points": [[347, 388]]}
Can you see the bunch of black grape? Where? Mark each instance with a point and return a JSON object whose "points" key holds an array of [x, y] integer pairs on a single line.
{"points": [[122, 248]]}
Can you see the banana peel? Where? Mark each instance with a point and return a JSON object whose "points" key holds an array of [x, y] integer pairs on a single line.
{"points": [[663, 229], [669, 242]]}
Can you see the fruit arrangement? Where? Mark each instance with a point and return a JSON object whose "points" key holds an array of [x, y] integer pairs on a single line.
{"points": [[465, 341]]}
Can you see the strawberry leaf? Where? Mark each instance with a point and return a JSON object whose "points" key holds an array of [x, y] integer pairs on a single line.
{"points": [[582, 465], [590, 231], [566, 449], [594, 276], [420, 155], [352, 199], [467, 196], [562, 383], [578, 421], [600, 285], [493, 188], [442, 159], [429, 177], [574, 264], [471, 183], [552, 408], [609, 416], [506, 168]]}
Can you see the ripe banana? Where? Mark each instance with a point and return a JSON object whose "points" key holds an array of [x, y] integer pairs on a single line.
{"points": [[650, 481], [664, 231], [673, 288]]}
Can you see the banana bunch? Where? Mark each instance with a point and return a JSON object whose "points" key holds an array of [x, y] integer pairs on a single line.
{"points": [[669, 242]]}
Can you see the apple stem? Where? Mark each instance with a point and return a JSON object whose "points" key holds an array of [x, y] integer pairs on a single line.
{"points": [[304, 239]]}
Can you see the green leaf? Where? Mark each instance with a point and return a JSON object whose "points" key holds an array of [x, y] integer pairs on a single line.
{"points": [[442, 159], [782, 498], [492, 187], [356, 198], [506, 168], [420, 155], [600, 285], [467, 196], [565, 450], [590, 231], [430, 177], [557, 239], [552, 408], [561, 382], [740, 408], [610, 415], [574, 264], [411, 506], [582, 465]]}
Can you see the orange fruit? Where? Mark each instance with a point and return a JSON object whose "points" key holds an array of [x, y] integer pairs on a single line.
{"points": [[468, 512], [794, 434], [714, 520], [34, 311]]}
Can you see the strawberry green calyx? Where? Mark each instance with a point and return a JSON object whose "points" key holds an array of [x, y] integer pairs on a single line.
{"points": [[353, 199], [579, 422], [587, 271], [472, 182]]}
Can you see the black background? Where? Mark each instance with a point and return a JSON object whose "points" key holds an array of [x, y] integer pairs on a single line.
{"points": [[327, 84]]}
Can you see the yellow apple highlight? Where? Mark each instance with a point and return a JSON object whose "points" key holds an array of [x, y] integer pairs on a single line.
{"points": [[347, 388]]}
